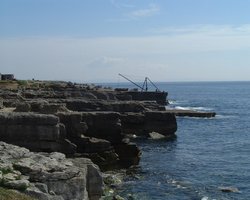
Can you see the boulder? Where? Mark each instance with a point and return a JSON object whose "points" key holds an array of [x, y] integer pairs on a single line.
{"points": [[129, 154], [160, 122], [94, 183], [156, 136], [229, 189], [150, 121], [49, 176]]}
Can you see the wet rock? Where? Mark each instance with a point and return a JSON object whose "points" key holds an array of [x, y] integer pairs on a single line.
{"points": [[160, 122], [191, 113], [229, 189], [156, 136], [150, 121], [129, 154]]}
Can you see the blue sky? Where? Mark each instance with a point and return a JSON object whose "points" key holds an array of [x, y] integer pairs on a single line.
{"points": [[94, 40]]}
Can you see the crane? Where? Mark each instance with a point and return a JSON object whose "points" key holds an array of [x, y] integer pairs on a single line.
{"points": [[144, 87]]}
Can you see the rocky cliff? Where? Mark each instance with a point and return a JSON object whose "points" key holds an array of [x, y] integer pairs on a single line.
{"points": [[83, 122], [49, 176]]}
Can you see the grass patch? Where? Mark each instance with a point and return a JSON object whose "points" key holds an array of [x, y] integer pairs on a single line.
{"points": [[6, 170], [6, 194], [22, 82]]}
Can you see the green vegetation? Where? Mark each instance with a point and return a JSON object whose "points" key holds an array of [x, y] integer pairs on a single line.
{"points": [[6, 170], [6, 194], [22, 82], [6, 81]]}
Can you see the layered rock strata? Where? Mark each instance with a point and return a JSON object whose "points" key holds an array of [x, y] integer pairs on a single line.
{"points": [[49, 176], [97, 128], [37, 132], [151, 121], [99, 135]]}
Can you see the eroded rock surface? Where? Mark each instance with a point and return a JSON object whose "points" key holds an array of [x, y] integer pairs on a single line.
{"points": [[83, 120], [48, 176], [37, 132]]}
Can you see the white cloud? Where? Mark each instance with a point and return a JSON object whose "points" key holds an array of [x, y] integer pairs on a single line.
{"points": [[105, 62], [204, 29], [146, 12], [186, 54], [137, 14]]}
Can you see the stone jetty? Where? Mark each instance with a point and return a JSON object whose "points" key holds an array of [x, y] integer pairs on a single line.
{"points": [[191, 113]]}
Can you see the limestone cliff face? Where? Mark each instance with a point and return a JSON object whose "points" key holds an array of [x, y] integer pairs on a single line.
{"points": [[99, 134], [83, 120], [48, 176], [37, 132], [150, 121]]}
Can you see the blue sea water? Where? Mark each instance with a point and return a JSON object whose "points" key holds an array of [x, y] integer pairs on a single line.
{"points": [[207, 153]]}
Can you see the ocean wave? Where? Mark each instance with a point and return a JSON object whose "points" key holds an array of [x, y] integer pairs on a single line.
{"points": [[225, 116], [193, 108], [177, 102]]}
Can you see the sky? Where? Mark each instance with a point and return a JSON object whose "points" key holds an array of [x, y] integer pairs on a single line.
{"points": [[95, 40]]}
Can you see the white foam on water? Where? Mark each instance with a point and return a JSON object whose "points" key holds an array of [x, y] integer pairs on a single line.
{"points": [[225, 116], [176, 102], [193, 108]]}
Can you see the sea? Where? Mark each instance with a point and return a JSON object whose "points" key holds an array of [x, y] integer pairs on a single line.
{"points": [[209, 154]]}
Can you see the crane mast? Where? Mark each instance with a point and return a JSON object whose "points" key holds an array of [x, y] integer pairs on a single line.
{"points": [[144, 87]]}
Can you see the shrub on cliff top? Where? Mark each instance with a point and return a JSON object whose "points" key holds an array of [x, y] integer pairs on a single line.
{"points": [[22, 82]]}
